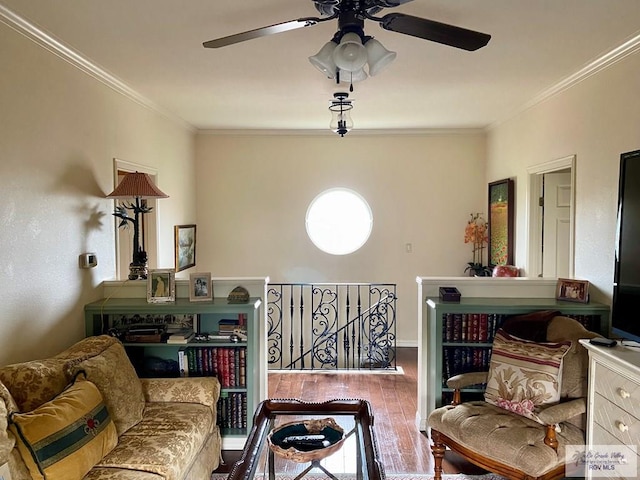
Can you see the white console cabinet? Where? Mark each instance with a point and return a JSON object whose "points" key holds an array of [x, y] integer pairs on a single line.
{"points": [[613, 409]]}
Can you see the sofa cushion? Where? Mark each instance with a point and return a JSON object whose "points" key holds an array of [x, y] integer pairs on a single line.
{"points": [[65, 437], [33, 383], [507, 438], [115, 377], [165, 442], [88, 347], [524, 375]]}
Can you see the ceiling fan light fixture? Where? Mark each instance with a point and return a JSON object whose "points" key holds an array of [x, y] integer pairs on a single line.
{"points": [[378, 57], [350, 54], [323, 60]]}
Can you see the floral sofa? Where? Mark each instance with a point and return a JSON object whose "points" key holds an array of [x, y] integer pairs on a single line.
{"points": [[85, 414]]}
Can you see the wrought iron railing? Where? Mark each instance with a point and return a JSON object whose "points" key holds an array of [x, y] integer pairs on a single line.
{"points": [[342, 326]]}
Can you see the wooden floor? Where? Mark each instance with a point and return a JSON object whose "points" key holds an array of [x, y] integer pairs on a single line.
{"points": [[402, 447]]}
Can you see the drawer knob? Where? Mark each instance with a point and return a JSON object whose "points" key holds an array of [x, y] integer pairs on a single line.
{"points": [[623, 393], [621, 426]]}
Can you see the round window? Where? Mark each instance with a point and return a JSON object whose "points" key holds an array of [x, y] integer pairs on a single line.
{"points": [[339, 221]]}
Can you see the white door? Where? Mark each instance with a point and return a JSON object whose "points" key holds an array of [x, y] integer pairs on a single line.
{"points": [[556, 225]]}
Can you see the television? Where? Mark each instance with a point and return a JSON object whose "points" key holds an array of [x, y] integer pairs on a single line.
{"points": [[625, 314]]}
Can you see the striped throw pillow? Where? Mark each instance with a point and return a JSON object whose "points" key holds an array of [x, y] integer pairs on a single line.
{"points": [[65, 437]]}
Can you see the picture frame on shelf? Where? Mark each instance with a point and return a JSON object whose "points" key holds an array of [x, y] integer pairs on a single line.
{"points": [[185, 246], [501, 222], [161, 286], [200, 287], [571, 290]]}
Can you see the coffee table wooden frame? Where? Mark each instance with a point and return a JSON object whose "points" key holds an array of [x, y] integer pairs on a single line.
{"points": [[268, 410]]}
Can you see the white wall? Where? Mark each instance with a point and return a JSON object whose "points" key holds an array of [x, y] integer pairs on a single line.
{"points": [[596, 120], [60, 131], [253, 192]]}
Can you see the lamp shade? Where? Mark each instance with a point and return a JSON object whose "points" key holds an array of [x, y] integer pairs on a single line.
{"points": [[323, 60], [378, 57], [352, 77], [137, 185], [350, 55]]}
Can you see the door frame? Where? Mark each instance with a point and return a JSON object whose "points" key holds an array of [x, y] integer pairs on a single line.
{"points": [[534, 247]]}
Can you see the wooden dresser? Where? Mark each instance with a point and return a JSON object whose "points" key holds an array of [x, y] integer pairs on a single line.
{"points": [[613, 409]]}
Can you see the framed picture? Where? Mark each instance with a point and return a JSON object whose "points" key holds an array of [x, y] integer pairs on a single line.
{"points": [[501, 225], [161, 286], [200, 287], [572, 290], [185, 246]]}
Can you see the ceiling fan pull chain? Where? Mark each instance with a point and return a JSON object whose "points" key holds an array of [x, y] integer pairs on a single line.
{"points": [[351, 83]]}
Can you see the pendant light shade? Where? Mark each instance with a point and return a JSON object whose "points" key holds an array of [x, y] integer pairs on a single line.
{"points": [[323, 60], [378, 57], [341, 122], [350, 54]]}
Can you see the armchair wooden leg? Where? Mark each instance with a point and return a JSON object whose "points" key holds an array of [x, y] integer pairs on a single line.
{"points": [[438, 449], [550, 437]]}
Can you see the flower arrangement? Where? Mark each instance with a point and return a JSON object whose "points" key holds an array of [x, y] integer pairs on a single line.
{"points": [[476, 233]]}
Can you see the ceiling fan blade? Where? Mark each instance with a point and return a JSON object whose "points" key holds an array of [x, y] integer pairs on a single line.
{"points": [[261, 32], [435, 31]]}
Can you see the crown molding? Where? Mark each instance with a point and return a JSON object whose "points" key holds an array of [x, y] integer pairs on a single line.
{"points": [[58, 48], [419, 132], [601, 63]]}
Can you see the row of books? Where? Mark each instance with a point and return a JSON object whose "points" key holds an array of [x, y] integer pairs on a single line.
{"points": [[232, 324], [471, 327], [226, 363], [457, 360], [482, 327], [232, 410]]}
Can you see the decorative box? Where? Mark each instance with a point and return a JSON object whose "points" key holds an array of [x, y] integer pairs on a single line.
{"points": [[449, 294]]}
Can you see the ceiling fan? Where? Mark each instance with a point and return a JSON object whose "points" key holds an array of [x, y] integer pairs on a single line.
{"points": [[351, 15]]}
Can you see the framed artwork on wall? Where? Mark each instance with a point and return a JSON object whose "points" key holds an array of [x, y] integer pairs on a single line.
{"points": [[501, 224], [161, 286], [185, 246]]}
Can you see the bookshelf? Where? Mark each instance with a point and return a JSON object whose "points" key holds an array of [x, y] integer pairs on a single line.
{"points": [[223, 358], [459, 335]]}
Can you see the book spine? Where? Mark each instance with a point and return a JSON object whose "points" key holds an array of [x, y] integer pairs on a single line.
{"points": [[243, 367], [231, 359], [475, 327], [183, 364], [191, 356], [483, 328], [457, 327], [199, 361]]}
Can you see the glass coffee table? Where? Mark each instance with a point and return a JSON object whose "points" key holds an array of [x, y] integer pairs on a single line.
{"points": [[356, 456]]}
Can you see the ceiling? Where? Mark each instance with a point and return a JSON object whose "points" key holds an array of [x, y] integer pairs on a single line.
{"points": [[155, 48]]}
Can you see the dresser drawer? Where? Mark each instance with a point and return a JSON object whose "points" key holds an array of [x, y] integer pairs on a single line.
{"points": [[602, 437], [621, 424], [619, 389]]}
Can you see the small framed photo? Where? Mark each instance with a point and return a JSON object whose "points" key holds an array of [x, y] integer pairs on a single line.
{"points": [[200, 287], [161, 286], [185, 246], [572, 290]]}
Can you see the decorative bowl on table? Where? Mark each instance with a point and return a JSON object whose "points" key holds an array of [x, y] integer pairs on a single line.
{"points": [[307, 440]]}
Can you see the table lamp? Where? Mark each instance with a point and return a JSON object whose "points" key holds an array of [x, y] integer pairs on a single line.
{"points": [[137, 185]]}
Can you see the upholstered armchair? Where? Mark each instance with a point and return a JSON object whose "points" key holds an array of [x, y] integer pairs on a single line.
{"points": [[534, 406]]}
